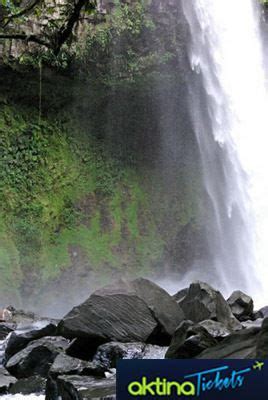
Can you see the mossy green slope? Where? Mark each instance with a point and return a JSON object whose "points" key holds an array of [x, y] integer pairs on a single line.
{"points": [[58, 193]]}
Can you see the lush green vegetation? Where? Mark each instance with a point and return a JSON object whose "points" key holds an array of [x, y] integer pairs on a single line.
{"points": [[81, 186]]}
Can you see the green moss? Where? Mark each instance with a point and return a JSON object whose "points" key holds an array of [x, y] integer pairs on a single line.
{"points": [[11, 274], [72, 194]]}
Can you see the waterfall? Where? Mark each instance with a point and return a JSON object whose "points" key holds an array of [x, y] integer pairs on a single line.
{"points": [[229, 104]]}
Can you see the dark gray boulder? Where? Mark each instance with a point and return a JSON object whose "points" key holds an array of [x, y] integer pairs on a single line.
{"points": [[19, 339], [216, 329], [257, 323], [6, 380], [239, 345], [136, 311], [241, 305], [203, 302], [109, 353], [153, 352], [37, 357], [263, 312], [66, 365], [189, 340], [5, 329], [262, 342], [80, 387], [180, 295], [166, 311], [34, 384]]}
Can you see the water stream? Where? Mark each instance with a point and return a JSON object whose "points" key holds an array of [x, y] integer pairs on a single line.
{"points": [[229, 104]]}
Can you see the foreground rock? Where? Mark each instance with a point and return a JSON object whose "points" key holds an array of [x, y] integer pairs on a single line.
{"points": [[241, 305], [216, 329], [202, 302], [108, 354], [80, 387], [19, 340], [240, 345], [37, 357], [66, 365], [263, 312], [189, 340], [180, 295], [5, 329], [136, 311], [35, 384], [262, 342], [6, 380]]}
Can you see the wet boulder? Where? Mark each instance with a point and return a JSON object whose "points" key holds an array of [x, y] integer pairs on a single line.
{"points": [[262, 342], [257, 323], [80, 387], [189, 340], [5, 329], [263, 312], [66, 365], [239, 345], [241, 305], [109, 353], [216, 329], [37, 357], [153, 352], [202, 302], [126, 311], [164, 308], [34, 384], [6, 380], [180, 295], [19, 339]]}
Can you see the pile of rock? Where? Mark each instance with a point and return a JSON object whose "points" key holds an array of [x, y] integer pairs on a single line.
{"points": [[76, 357]]}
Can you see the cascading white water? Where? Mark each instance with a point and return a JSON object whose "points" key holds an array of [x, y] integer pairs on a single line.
{"points": [[230, 121]]}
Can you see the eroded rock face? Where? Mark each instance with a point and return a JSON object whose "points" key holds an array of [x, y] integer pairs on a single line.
{"points": [[5, 329], [203, 302], [241, 305], [27, 386], [189, 340], [109, 353], [216, 329], [19, 340], [80, 387], [6, 380], [239, 345], [37, 357], [262, 342], [66, 365], [136, 311]]}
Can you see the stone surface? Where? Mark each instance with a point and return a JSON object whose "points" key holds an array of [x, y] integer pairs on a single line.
{"points": [[163, 306], [239, 345], [216, 329], [108, 354], [37, 357], [262, 342], [34, 384], [80, 387], [203, 302], [241, 305], [6, 380], [19, 339], [136, 311], [189, 340], [180, 295], [5, 329], [263, 312], [66, 365], [253, 324]]}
